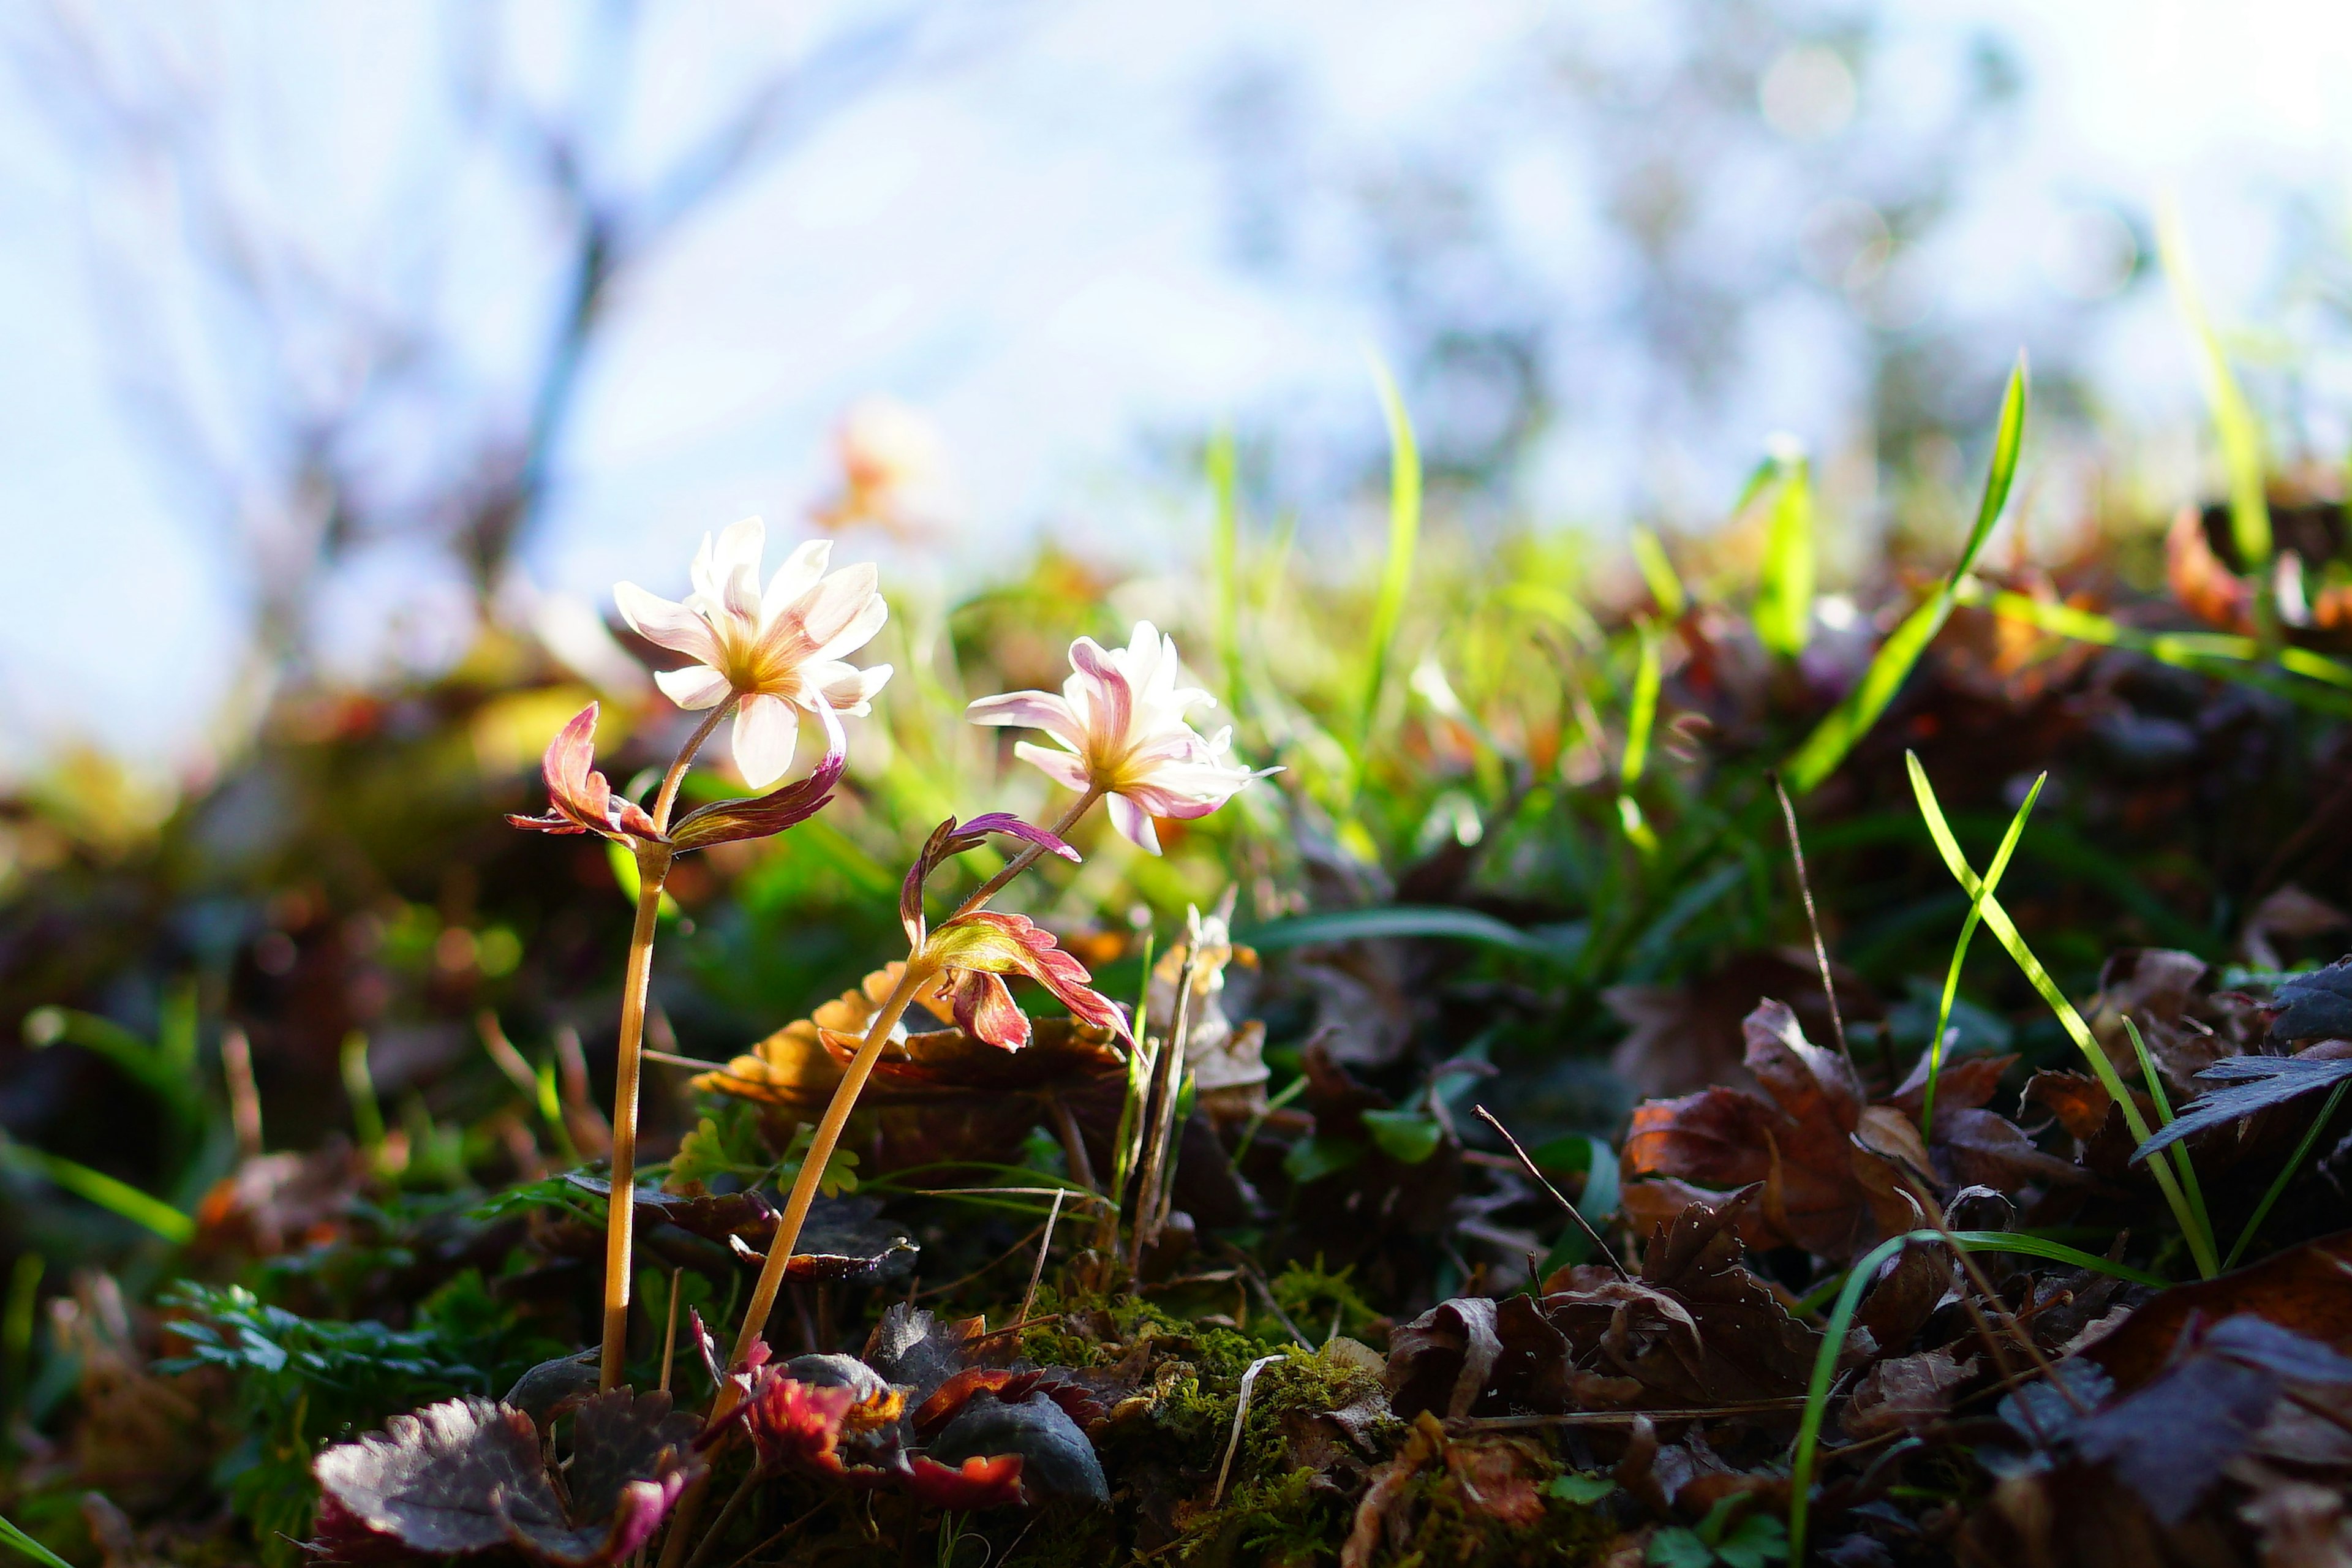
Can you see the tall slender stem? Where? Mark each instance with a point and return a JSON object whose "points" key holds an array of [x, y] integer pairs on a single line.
{"points": [[1027, 857], [620, 1222], [820, 1151]]}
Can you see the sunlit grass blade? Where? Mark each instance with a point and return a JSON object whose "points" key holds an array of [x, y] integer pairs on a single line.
{"points": [[1851, 719], [31, 1548], [2234, 424], [1997, 921], [1784, 594], [1225, 553], [1841, 1320], [2287, 1173], [1642, 710], [1658, 573], [2221, 654], [1961, 952], [108, 1192], [1404, 539], [2180, 1151]]}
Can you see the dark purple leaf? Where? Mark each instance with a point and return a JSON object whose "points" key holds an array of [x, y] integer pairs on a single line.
{"points": [[724, 821], [2316, 1007], [2255, 1083]]}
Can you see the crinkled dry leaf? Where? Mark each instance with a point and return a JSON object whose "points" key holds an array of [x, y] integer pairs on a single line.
{"points": [[467, 1476], [1905, 1394]]}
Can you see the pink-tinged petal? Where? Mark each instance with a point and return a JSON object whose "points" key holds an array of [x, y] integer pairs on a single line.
{"points": [[667, 622], [985, 1010], [1030, 711], [766, 731], [696, 686], [735, 567], [1134, 823], [798, 573], [1064, 769], [859, 631], [828, 610], [1110, 712], [845, 688]]}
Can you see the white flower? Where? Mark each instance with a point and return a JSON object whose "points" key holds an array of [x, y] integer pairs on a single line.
{"points": [[778, 651], [1120, 719]]}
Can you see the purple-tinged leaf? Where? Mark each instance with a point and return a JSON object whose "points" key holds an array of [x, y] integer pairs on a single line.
{"points": [[723, 822]]}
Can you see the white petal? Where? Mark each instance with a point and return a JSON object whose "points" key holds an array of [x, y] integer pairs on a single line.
{"points": [[828, 610], [1030, 711], [843, 687], [797, 576], [696, 686], [766, 729], [735, 565], [1134, 824], [1064, 769], [858, 631], [671, 625]]}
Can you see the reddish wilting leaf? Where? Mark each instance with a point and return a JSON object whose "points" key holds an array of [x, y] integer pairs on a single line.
{"points": [[2078, 1099], [1496, 1477], [273, 1202], [2200, 582], [467, 1476], [978, 949], [1685, 1038], [579, 798], [976, 1483], [2306, 1290], [1056, 1458], [828, 1415], [1833, 1166], [1905, 1394], [1077, 1399]]}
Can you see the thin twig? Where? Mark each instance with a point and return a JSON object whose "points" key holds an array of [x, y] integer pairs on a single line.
{"points": [[1163, 1103], [1812, 917], [1977, 1277], [673, 1059], [1618, 1418], [669, 1335], [1582, 1224], [1265, 1293], [1037, 1274]]}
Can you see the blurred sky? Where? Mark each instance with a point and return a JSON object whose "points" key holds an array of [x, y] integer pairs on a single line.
{"points": [[1029, 239]]}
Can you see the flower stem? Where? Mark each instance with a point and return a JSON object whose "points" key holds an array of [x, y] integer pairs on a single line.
{"points": [[620, 1219], [820, 1151], [1027, 857]]}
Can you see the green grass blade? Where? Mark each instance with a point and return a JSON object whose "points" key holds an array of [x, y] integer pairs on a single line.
{"points": [[1784, 597], [1997, 921], [2287, 1173], [2180, 1151], [2219, 654], [1851, 719], [31, 1548], [2234, 424], [1961, 951], [152, 1068], [1391, 919], [106, 1192], [1404, 539], [2009, 435], [1841, 1318], [1658, 573], [1225, 553], [1642, 713]]}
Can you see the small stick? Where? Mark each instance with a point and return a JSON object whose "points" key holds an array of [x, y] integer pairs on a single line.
{"points": [[1256, 1282], [2008, 1318], [1582, 1224], [244, 1096], [673, 1059], [1165, 1082], [1618, 1418], [1812, 918], [1241, 1414], [1044, 1246], [669, 1335]]}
